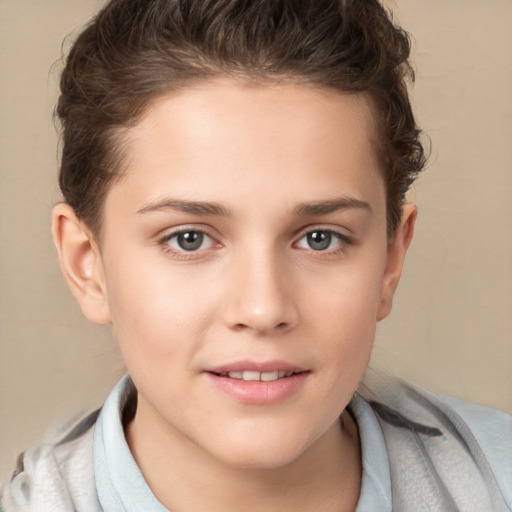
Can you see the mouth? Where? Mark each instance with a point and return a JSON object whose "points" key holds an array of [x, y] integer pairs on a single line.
{"points": [[258, 383], [252, 375]]}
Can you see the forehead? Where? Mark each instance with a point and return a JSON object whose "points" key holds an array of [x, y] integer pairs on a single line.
{"points": [[223, 138], [261, 108]]}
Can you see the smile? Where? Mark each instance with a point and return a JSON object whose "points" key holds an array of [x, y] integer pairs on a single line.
{"points": [[254, 383], [250, 375]]}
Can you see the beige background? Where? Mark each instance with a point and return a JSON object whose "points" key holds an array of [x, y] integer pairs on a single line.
{"points": [[451, 329]]}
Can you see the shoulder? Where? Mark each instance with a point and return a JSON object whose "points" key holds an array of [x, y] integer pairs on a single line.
{"points": [[492, 430], [57, 475], [457, 451]]}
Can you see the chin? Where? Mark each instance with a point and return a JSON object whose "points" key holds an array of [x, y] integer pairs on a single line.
{"points": [[258, 451], [263, 460]]}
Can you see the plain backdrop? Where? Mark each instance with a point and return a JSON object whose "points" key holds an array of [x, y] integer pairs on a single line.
{"points": [[451, 328]]}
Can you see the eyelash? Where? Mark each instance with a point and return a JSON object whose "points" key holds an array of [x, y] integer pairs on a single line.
{"points": [[183, 253], [344, 242]]}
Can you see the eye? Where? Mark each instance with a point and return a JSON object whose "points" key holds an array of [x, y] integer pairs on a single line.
{"points": [[189, 240], [322, 240]]}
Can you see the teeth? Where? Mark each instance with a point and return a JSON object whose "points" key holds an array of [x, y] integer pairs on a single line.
{"points": [[251, 376], [262, 376], [268, 376]]}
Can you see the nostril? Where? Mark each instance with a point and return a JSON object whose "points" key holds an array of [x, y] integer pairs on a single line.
{"points": [[280, 327]]}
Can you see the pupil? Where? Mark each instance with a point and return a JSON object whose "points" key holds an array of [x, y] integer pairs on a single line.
{"points": [[190, 241], [319, 240]]}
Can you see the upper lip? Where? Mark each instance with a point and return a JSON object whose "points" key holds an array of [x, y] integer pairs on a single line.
{"points": [[254, 366]]}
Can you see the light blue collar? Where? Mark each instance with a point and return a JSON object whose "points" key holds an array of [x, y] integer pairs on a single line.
{"points": [[119, 481]]}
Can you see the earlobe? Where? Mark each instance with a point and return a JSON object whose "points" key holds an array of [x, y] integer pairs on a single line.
{"points": [[81, 263], [397, 249]]}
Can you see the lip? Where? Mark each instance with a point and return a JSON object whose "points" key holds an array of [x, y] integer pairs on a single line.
{"points": [[258, 392], [254, 366]]}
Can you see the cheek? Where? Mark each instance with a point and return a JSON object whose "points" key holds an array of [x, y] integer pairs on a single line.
{"points": [[348, 296], [342, 317], [155, 312]]}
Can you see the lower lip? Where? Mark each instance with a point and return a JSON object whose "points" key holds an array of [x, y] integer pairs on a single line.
{"points": [[257, 392]]}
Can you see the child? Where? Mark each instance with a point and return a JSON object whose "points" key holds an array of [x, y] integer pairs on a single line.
{"points": [[234, 176]]}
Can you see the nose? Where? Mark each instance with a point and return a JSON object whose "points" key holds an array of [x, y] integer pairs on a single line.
{"points": [[260, 296]]}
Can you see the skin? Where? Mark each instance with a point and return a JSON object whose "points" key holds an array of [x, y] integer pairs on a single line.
{"points": [[256, 289]]}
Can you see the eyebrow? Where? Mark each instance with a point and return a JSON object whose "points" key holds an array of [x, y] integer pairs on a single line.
{"points": [[192, 207], [331, 206], [211, 208]]}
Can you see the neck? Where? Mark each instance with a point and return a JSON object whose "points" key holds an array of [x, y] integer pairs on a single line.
{"points": [[326, 476]]}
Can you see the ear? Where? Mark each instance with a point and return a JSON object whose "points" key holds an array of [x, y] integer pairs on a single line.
{"points": [[81, 263], [395, 259]]}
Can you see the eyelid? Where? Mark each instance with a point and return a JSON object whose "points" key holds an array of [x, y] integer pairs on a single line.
{"points": [[169, 234], [344, 239], [170, 231], [336, 230]]}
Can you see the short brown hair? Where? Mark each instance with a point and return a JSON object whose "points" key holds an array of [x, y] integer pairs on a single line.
{"points": [[136, 50]]}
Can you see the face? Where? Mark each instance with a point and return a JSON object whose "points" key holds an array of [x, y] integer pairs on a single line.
{"points": [[244, 265]]}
